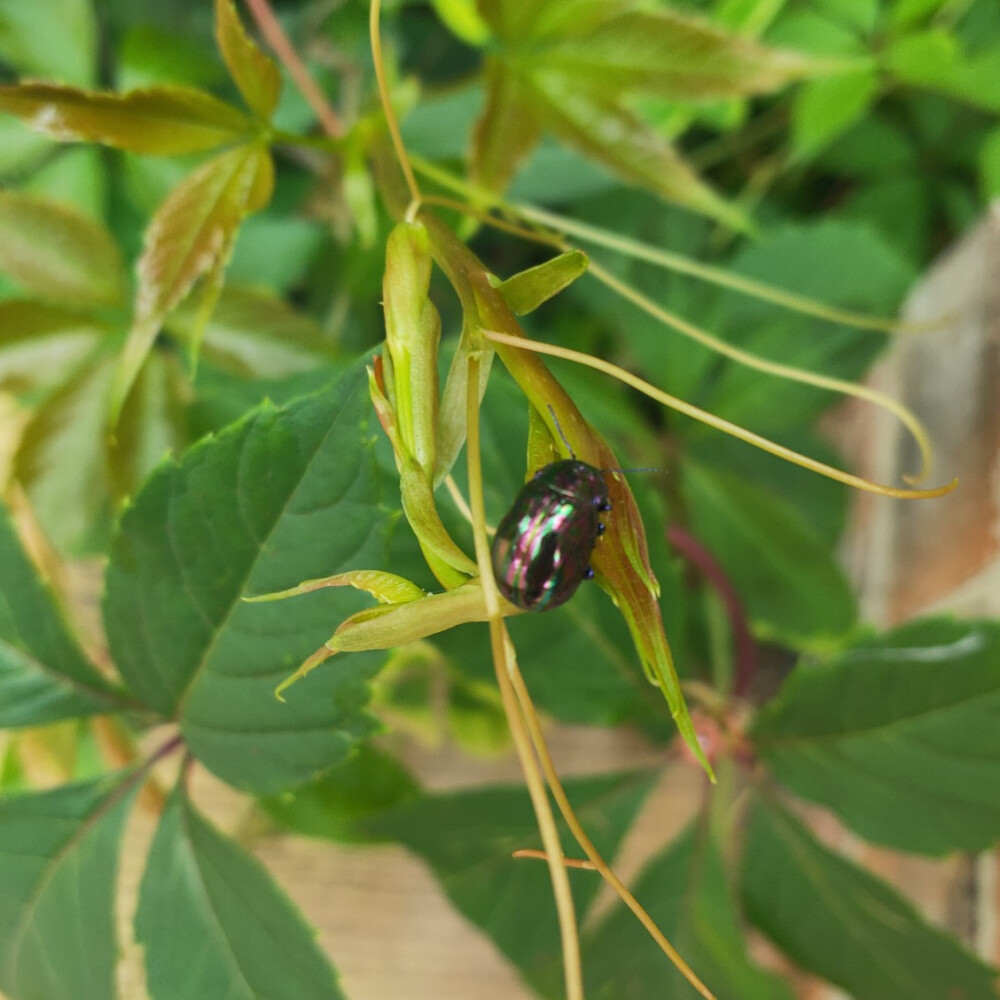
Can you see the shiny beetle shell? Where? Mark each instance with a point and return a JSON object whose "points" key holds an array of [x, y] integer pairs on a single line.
{"points": [[542, 547]]}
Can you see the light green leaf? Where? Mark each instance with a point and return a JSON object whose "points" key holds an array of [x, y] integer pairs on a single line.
{"points": [[76, 176], [57, 891], [823, 109], [835, 919], [463, 20], [526, 291], [44, 675], [900, 736], [284, 495], [792, 588], [56, 39], [467, 838], [214, 924], [191, 236], [58, 253], [684, 888], [162, 121], [254, 73]]}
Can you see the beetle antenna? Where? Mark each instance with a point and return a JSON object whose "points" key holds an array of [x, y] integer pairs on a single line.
{"points": [[572, 454], [644, 468]]}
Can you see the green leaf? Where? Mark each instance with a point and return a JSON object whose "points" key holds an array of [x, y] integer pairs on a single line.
{"points": [[613, 135], [44, 675], [283, 496], [56, 39], [463, 20], [526, 291], [506, 132], [467, 838], [214, 923], [254, 73], [823, 109], [162, 121], [58, 253], [685, 890], [900, 736], [254, 333], [57, 891], [791, 587], [40, 345], [335, 806], [835, 919], [670, 54], [989, 165], [191, 236]]}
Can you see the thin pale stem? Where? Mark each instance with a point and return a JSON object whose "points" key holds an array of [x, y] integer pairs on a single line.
{"points": [[383, 93], [504, 669], [270, 28], [726, 426]]}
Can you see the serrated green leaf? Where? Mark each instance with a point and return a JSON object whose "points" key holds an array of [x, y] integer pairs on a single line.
{"points": [[161, 121], [613, 135], [40, 345], [684, 889], [825, 108], [334, 806], [467, 838], [254, 333], [214, 923], [57, 891], [506, 132], [791, 587], [674, 55], [57, 253], [833, 918], [282, 496], [254, 73], [900, 736], [56, 39], [44, 675], [191, 236]]}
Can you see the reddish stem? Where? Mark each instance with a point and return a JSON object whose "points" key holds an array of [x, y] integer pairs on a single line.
{"points": [[744, 647]]}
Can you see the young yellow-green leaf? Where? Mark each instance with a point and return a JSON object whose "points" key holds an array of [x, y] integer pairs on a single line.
{"points": [[674, 55], [214, 924], [57, 253], [57, 890], [161, 121], [506, 132], [526, 291], [463, 20], [40, 345], [898, 736], [191, 236], [603, 129], [254, 73], [833, 918]]}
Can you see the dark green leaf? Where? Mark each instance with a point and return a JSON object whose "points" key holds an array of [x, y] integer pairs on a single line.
{"points": [[254, 73], [214, 923], [900, 737], [837, 920], [57, 891], [685, 891], [790, 585], [280, 497], [334, 806], [57, 253], [468, 837], [190, 237], [44, 675], [162, 121]]}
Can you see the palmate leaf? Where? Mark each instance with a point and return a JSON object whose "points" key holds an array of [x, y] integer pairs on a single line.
{"points": [[900, 736], [44, 675], [254, 73], [686, 892], [214, 924], [57, 890], [282, 496], [835, 919], [57, 253], [160, 121], [191, 236], [467, 838]]}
